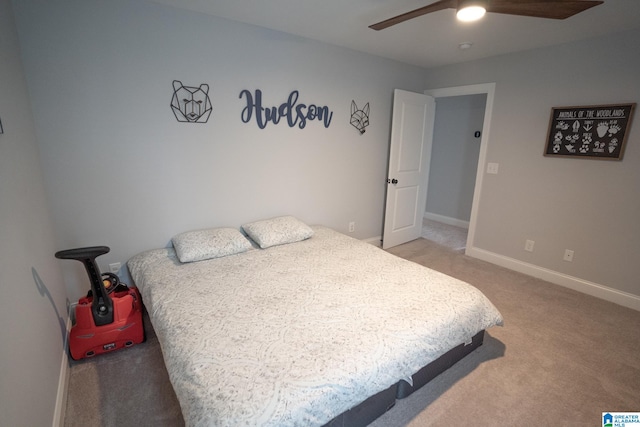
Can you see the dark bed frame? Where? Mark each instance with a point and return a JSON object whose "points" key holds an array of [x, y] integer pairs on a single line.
{"points": [[366, 412]]}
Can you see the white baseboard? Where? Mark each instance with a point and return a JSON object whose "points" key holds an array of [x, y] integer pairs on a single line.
{"points": [[63, 383], [596, 290], [447, 220]]}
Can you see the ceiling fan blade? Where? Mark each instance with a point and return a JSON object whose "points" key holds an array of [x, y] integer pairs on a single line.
{"points": [[553, 9], [439, 5]]}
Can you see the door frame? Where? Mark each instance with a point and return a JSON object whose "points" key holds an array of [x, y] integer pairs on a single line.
{"points": [[477, 89]]}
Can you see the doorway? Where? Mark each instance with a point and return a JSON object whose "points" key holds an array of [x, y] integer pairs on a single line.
{"points": [[449, 207], [454, 161]]}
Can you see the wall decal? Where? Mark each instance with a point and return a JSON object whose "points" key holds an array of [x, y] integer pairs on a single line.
{"points": [[596, 132], [191, 104], [359, 117], [295, 114]]}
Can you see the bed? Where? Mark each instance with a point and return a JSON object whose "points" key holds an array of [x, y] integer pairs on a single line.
{"points": [[295, 325]]}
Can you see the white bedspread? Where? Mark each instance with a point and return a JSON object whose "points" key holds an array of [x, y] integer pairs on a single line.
{"points": [[296, 334]]}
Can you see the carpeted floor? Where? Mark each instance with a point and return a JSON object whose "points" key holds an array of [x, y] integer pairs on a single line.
{"points": [[562, 358], [454, 238]]}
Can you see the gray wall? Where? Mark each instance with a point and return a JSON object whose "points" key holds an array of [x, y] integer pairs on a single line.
{"points": [[454, 156], [33, 303], [122, 172], [589, 206]]}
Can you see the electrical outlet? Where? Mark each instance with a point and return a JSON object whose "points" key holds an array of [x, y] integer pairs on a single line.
{"points": [[115, 267], [528, 245], [492, 168], [352, 227], [568, 255]]}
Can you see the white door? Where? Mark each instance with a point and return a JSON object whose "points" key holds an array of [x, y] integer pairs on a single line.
{"points": [[409, 157]]}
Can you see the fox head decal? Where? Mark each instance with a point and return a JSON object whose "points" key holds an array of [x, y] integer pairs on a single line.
{"points": [[359, 117], [191, 104]]}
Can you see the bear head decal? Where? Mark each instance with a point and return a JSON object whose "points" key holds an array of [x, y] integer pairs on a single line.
{"points": [[191, 104]]}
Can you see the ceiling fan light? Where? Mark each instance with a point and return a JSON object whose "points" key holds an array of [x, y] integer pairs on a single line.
{"points": [[471, 10], [471, 13]]}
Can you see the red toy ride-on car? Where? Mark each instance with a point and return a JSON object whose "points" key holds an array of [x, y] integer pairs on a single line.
{"points": [[110, 316]]}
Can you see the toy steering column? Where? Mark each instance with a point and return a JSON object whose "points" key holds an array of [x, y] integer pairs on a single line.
{"points": [[102, 305]]}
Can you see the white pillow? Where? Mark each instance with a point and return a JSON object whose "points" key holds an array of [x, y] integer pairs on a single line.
{"points": [[277, 231], [198, 245]]}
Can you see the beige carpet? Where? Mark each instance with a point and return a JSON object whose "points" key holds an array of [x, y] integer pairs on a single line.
{"points": [[562, 358], [450, 236]]}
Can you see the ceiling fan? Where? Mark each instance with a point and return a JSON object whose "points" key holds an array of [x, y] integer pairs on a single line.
{"points": [[554, 9]]}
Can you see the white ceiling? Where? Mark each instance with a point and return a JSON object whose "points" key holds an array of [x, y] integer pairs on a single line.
{"points": [[427, 41]]}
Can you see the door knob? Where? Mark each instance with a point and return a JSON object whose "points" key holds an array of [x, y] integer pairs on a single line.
{"points": [[392, 181]]}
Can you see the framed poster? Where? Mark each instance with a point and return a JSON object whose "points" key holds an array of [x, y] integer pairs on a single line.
{"points": [[595, 132]]}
